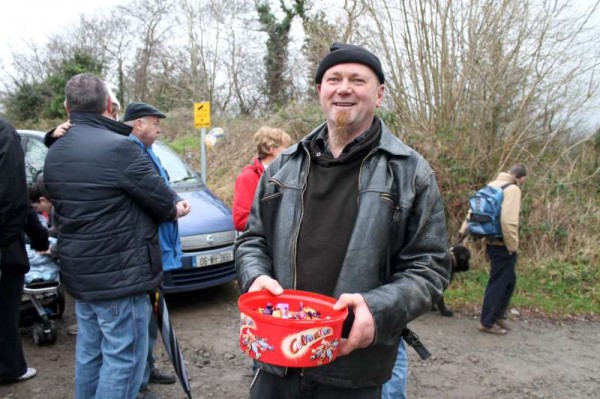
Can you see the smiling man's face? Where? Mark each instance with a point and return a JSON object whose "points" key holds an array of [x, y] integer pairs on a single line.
{"points": [[349, 94]]}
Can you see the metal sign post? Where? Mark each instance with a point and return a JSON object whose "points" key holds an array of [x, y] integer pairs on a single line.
{"points": [[203, 154], [202, 120]]}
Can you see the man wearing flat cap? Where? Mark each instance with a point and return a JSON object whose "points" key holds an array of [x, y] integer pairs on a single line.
{"points": [[353, 213], [144, 120]]}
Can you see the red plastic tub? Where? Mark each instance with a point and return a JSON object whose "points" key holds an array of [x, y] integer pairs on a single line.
{"points": [[290, 342]]}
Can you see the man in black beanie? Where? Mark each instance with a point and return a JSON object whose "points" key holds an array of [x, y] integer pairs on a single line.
{"points": [[353, 213], [341, 53]]}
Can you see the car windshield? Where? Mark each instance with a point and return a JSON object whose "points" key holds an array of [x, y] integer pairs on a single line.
{"points": [[180, 174], [34, 158]]}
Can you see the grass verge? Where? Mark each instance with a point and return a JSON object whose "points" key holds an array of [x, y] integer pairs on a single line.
{"points": [[189, 142], [550, 288]]}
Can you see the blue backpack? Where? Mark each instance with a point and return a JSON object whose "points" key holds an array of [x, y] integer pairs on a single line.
{"points": [[485, 207]]}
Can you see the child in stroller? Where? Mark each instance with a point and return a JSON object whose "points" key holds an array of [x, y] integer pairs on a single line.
{"points": [[43, 295]]}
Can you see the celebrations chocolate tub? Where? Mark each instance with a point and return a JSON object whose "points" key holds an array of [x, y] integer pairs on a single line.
{"points": [[294, 329]]}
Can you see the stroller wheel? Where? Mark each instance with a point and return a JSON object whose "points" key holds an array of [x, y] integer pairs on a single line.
{"points": [[38, 334], [51, 333], [43, 336]]}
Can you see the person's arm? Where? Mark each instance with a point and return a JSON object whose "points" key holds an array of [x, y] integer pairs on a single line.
{"points": [[420, 266], [56, 133], [509, 217], [183, 207], [36, 232], [362, 333], [139, 178], [252, 258], [464, 228], [245, 188], [13, 190], [176, 197]]}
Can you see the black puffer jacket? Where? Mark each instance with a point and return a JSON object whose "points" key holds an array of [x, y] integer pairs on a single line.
{"points": [[108, 200]]}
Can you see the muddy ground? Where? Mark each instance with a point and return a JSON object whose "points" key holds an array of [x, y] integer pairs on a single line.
{"points": [[537, 359]]}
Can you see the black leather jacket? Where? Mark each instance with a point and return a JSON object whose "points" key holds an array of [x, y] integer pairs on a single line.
{"points": [[400, 217]]}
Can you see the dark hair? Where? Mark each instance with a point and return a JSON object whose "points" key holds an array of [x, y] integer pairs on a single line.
{"points": [[86, 93], [35, 193], [37, 189], [518, 171]]}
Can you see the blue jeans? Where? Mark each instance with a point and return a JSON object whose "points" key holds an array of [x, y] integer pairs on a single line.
{"points": [[395, 388], [152, 335], [112, 345], [500, 286]]}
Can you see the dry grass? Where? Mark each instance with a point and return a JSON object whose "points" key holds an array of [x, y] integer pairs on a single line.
{"points": [[227, 159], [560, 218]]}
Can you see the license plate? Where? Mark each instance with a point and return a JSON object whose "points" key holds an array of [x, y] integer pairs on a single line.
{"points": [[213, 259]]}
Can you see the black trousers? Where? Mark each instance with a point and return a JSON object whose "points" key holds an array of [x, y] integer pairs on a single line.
{"points": [[294, 386], [500, 286], [12, 359]]}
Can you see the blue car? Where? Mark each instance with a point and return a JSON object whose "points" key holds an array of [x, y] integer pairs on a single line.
{"points": [[207, 233]]}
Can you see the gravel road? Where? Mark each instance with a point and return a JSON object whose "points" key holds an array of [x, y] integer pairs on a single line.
{"points": [[537, 359]]}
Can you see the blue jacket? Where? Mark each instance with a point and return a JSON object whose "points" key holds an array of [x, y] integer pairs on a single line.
{"points": [[168, 232]]}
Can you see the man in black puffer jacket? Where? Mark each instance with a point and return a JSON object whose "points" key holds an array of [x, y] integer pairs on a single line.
{"points": [[108, 200]]}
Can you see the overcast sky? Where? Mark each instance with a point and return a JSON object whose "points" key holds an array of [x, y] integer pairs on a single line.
{"points": [[25, 20]]}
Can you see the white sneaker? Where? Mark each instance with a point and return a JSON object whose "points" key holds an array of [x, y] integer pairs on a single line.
{"points": [[30, 373], [72, 329]]}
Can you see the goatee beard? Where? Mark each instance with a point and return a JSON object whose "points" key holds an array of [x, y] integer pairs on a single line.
{"points": [[341, 134]]}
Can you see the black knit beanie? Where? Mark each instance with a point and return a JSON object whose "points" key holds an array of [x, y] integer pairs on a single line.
{"points": [[340, 53]]}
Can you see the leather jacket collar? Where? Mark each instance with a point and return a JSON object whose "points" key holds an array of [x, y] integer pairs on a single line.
{"points": [[387, 141]]}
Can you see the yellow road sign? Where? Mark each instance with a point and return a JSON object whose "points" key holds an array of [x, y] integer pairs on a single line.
{"points": [[202, 114]]}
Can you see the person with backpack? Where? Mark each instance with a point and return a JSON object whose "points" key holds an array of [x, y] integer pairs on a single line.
{"points": [[501, 234]]}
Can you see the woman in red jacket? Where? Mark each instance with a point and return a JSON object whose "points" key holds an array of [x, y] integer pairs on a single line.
{"points": [[270, 142]]}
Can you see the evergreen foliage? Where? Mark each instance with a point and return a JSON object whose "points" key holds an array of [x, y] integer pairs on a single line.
{"points": [[278, 39], [44, 99]]}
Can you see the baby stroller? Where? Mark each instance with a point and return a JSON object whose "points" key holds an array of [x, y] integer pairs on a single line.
{"points": [[43, 298]]}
